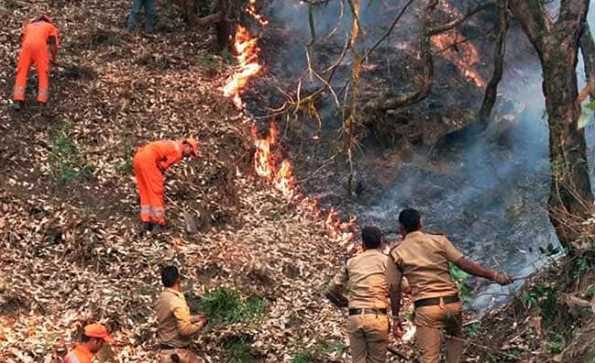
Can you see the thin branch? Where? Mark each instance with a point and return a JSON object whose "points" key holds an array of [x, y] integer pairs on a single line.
{"points": [[388, 32], [389, 101], [490, 94], [452, 24]]}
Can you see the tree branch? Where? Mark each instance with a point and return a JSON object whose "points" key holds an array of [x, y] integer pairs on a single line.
{"points": [[382, 38], [389, 101], [536, 24], [452, 24], [490, 94]]}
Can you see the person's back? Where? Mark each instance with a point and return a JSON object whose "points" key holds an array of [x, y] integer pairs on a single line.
{"points": [[425, 264], [424, 260], [367, 285], [364, 279], [38, 33]]}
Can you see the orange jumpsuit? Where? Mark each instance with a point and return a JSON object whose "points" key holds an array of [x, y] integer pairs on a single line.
{"points": [[80, 354], [149, 162], [35, 50]]}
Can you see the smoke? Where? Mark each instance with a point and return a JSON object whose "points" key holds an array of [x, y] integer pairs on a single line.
{"points": [[489, 196]]}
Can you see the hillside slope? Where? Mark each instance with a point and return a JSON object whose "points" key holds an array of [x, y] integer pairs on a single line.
{"points": [[69, 246]]}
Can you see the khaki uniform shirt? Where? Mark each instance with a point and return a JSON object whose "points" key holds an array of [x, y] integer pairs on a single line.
{"points": [[364, 278], [174, 326], [424, 260]]}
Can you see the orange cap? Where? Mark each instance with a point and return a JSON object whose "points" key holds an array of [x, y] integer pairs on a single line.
{"points": [[194, 144], [98, 331]]}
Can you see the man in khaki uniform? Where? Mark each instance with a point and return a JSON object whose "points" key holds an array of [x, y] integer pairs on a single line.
{"points": [[364, 278], [176, 326], [424, 260]]}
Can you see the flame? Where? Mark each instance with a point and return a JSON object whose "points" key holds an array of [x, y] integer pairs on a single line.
{"points": [[269, 162], [247, 55], [464, 55], [251, 9]]}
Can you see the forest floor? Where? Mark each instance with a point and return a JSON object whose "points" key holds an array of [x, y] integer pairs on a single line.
{"points": [[70, 250]]}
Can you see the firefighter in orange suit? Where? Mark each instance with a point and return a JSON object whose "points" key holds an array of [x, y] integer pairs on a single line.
{"points": [[93, 339], [39, 46], [149, 163]]}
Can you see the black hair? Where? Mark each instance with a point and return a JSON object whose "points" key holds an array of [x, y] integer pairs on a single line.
{"points": [[371, 237], [409, 218], [85, 338], [169, 275]]}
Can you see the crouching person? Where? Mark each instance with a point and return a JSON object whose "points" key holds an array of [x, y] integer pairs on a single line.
{"points": [[176, 327]]}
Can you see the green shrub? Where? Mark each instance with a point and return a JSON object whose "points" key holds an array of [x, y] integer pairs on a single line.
{"points": [[66, 163], [238, 350], [459, 277], [225, 305]]}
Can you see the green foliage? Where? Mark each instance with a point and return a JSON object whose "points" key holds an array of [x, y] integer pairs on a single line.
{"points": [[589, 292], [238, 350], [459, 276], [66, 163], [225, 305], [587, 116], [581, 266], [543, 298], [471, 330], [555, 343], [303, 357]]}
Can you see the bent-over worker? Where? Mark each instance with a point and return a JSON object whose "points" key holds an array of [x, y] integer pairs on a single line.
{"points": [[39, 46], [424, 260], [149, 163], [176, 327], [93, 339], [364, 278]]}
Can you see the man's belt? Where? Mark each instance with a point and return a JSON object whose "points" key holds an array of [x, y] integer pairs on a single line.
{"points": [[436, 301], [358, 311]]}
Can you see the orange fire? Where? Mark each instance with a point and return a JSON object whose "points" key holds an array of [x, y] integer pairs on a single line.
{"points": [[247, 55], [251, 9], [463, 54], [269, 162]]}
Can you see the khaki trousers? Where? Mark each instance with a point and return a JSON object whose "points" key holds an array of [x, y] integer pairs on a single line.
{"points": [[184, 355], [430, 322], [368, 337]]}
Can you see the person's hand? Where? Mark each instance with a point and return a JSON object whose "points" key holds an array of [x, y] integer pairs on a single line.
{"points": [[397, 329], [200, 319], [502, 278]]}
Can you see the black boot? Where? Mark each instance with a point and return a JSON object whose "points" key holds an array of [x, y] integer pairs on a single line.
{"points": [[147, 226], [17, 105]]}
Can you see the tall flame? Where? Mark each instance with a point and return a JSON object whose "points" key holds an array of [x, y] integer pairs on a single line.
{"points": [[269, 162], [247, 55]]}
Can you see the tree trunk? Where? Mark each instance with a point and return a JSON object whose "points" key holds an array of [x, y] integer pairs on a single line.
{"points": [[570, 183], [571, 199]]}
